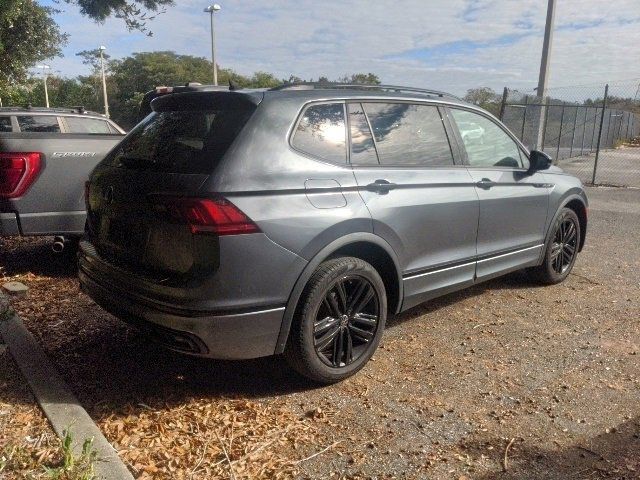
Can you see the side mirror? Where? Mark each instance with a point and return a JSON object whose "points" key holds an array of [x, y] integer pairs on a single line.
{"points": [[539, 161]]}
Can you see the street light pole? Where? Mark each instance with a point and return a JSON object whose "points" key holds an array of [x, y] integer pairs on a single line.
{"points": [[102, 48], [544, 68], [44, 79], [211, 9]]}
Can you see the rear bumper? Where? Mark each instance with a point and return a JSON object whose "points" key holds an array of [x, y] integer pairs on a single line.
{"points": [[232, 336], [9, 224]]}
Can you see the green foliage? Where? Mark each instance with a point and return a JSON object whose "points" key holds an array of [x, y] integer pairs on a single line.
{"points": [[72, 467], [28, 35], [358, 79], [484, 97], [128, 79], [135, 13], [92, 58], [24, 463]]}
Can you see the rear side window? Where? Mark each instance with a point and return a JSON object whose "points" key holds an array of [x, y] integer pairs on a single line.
{"points": [[38, 123], [87, 125], [181, 141], [321, 133], [5, 124], [409, 135]]}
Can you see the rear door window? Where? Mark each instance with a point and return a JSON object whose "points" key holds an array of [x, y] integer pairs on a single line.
{"points": [[321, 133], [409, 134], [182, 141], [5, 124], [87, 125], [38, 123]]}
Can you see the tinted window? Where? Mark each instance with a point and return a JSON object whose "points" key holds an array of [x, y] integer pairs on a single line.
{"points": [[408, 134], [486, 143], [321, 132], [38, 123], [183, 141], [5, 124], [87, 125], [363, 149]]}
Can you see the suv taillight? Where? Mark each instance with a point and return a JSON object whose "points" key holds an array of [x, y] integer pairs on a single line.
{"points": [[18, 172], [214, 216]]}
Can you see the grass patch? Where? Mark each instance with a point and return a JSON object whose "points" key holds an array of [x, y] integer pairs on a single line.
{"points": [[22, 462]]}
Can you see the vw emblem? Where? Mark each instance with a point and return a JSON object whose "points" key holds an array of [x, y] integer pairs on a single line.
{"points": [[108, 194]]}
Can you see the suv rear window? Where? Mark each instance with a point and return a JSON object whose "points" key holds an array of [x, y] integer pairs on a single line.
{"points": [[38, 123], [182, 141], [87, 125]]}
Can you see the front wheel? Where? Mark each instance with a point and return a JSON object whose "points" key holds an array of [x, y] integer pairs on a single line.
{"points": [[561, 250], [339, 321]]}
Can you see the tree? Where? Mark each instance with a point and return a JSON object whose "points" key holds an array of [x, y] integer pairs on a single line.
{"points": [[28, 35], [484, 97], [92, 58], [360, 79], [135, 13]]}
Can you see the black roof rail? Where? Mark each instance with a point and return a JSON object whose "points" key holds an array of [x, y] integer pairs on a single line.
{"points": [[357, 86]]}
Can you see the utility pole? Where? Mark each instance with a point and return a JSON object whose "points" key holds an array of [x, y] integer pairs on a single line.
{"points": [[211, 9], [544, 68], [102, 48], [44, 79]]}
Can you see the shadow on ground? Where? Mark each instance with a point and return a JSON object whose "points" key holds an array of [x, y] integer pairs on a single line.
{"points": [[608, 455], [35, 256], [107, 362]]}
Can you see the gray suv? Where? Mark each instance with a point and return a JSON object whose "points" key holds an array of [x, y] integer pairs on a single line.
{"points": [[293, 221]]}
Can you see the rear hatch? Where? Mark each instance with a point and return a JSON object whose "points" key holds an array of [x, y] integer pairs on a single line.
{"points": [[145, 212]]}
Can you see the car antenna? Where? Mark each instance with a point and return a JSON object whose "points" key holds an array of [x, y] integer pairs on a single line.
{"points": [[233, 85]]}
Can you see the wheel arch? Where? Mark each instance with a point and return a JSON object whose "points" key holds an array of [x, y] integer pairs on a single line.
{"points": [[580, 208], [366, 246], [576, 203]]}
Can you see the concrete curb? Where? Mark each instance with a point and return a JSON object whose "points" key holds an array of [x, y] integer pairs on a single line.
{"points": [[56, 400]]}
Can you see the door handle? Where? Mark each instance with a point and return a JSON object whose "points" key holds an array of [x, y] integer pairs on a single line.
{"points": [[381, 186], [485, 184]]}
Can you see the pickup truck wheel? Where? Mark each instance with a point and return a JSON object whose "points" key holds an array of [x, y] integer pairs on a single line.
{"points": [[561, 250], [339, 322]]}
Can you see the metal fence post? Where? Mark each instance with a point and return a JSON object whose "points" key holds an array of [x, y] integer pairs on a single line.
{"points": [[626, 135], [573, 134], [593, 133], [606, 138], [524, 118], [584, 129], [505, 92], [560, 134], [604, 107], [620, 126]]}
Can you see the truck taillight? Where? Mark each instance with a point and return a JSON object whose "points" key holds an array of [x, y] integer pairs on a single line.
{"points": [[214, 216], [18, 171]]}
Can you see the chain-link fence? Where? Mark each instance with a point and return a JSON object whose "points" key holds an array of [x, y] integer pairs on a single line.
{"points": [[592, 132]]}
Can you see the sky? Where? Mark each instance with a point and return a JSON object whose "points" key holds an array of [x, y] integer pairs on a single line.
{"points": [[451, 45]]}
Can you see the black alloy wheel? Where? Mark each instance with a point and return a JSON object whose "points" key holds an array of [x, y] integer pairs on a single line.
{"points": [[347, 321], [339, 320]]}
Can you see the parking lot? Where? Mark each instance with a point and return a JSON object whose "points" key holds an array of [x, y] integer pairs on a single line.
{"points": [[505, 380], [620, 167]]}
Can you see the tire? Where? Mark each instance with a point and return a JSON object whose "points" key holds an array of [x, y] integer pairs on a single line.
{"points": [[345, 303], [561, 250]]}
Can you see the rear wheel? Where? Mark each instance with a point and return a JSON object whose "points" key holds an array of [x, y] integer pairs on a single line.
{"points": [[339, 321], [561, 250]]}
